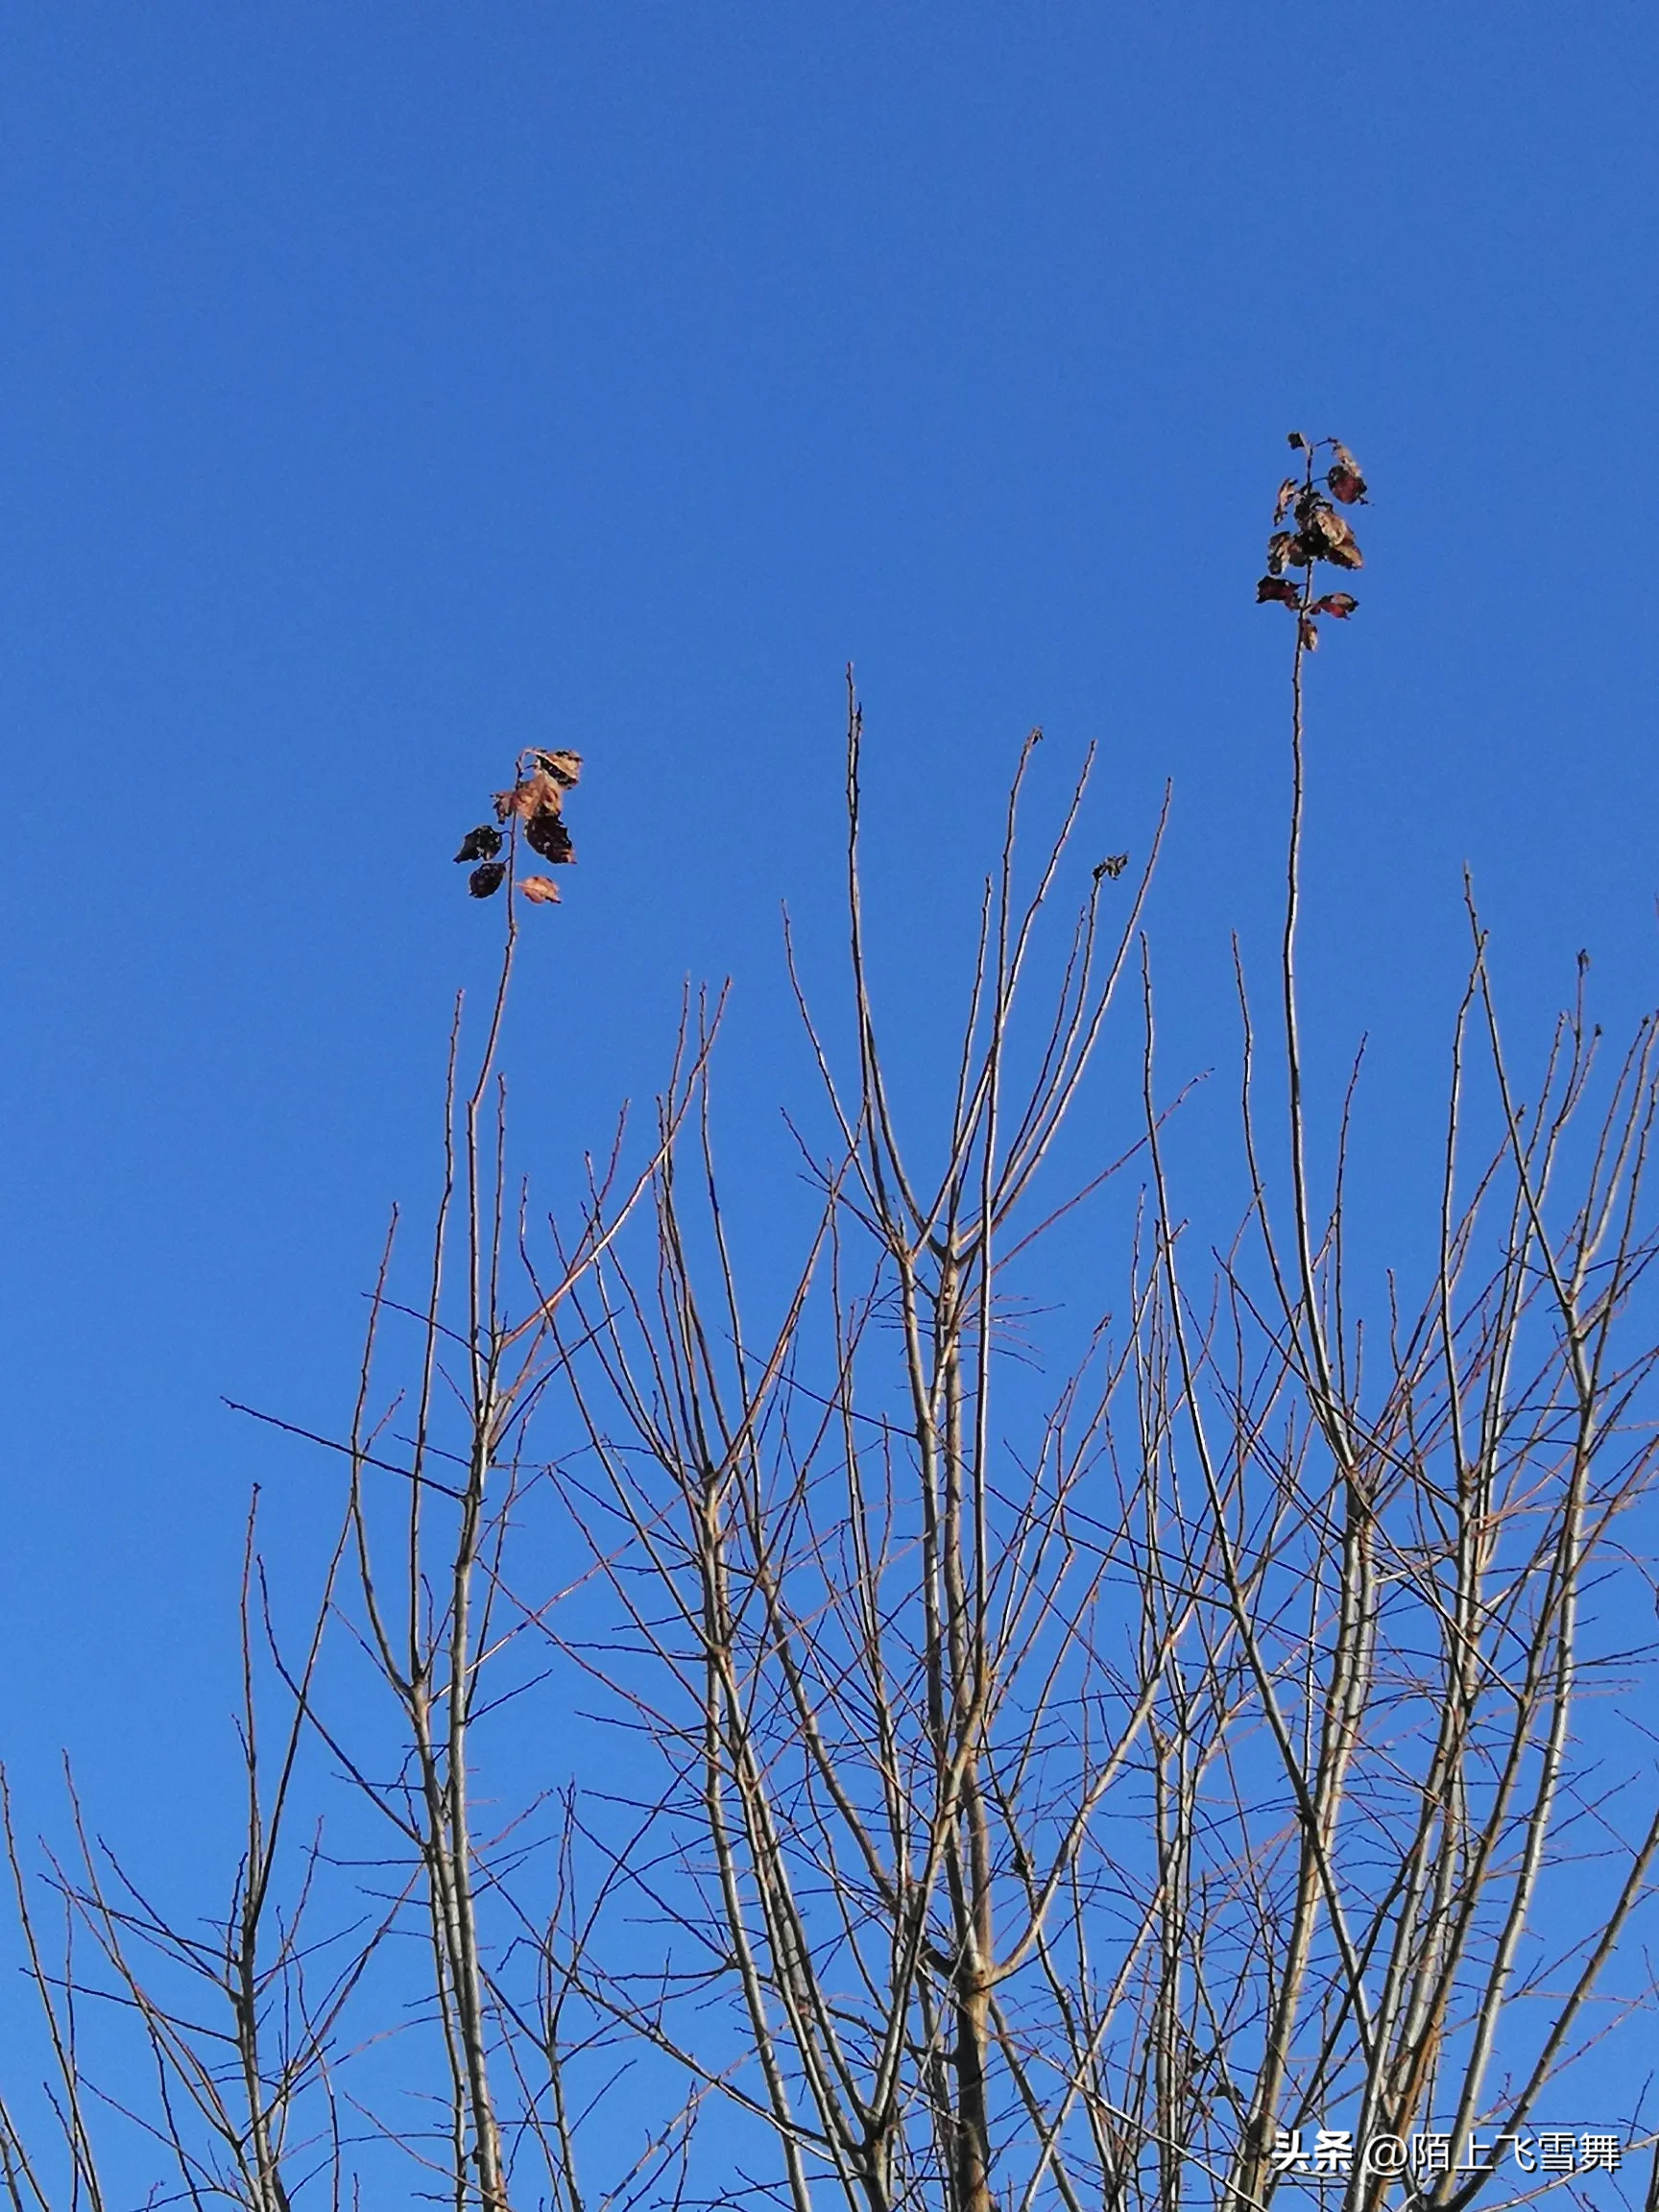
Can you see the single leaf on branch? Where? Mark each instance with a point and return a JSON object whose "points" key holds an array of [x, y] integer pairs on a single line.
{"points": [[1344, 478], [480, 843], [484, 882], [1278, 588], [540, 890], [1287, 493], [547, 834], [1112, 865], [1281, 549], [1324, 537], [1342, 604], [537, 794], [566, 768], [1308, 632]]}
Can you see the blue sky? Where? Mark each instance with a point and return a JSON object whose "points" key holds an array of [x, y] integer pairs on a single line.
{"points": [[387, 388]]}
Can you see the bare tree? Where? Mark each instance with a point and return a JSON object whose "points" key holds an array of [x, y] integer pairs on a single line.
{"points": [[1076, 1802], [1142, 1756], [237, 2012]]}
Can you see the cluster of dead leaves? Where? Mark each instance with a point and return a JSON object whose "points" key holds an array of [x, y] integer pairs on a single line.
{"points": [[1319, 534], [534, 809]]}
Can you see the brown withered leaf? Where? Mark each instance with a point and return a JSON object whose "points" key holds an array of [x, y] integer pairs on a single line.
{"points": [[1346, 484], [566, 768], [540, 890], [537, 794], [1327, 537], [484, 882], [1278, 588], [547, 834], [1112, 865], [480, 843], [1279, 552], [1286, 492], [1297, 439], [1342, 604], [1308, 630]]}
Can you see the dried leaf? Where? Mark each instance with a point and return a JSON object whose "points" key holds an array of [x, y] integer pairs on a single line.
{"points": [[480, 843], [1286, 492], [1308, 630], [540, 890], [1278, 588], [1297, 439], [484, 882], [566, 768], [537, 794], [1279, 550], [1325, 535], [1346, 483], [1112, 865], [547, 834], [1342, 604]]}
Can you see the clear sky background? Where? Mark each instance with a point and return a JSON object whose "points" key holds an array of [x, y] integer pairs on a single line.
{"points": [[383, 388]]}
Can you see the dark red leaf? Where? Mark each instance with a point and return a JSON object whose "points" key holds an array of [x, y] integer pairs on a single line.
{"points": [[1346, 485], [1278, 588], [1342, 604], [547, 834]]}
